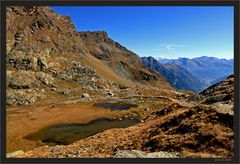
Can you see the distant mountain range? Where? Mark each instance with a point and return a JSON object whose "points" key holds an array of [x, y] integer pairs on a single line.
{"points": [[191, 74], [209, 70], [176, 75]]}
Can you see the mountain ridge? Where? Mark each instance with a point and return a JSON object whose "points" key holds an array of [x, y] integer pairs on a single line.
{"points": [[205, 68], [44, 45], [177, 76]]}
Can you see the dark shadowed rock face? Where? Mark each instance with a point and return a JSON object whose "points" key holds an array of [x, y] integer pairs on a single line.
{"points": [[176, 75]]}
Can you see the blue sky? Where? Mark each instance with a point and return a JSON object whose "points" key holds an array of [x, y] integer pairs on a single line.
{"points": [[166, 32]]}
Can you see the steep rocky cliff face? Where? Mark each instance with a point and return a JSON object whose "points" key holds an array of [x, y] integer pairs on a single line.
{"points": [[47, 56]]}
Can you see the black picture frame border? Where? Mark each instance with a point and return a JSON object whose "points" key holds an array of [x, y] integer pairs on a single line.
{"points": [[233, 3]]}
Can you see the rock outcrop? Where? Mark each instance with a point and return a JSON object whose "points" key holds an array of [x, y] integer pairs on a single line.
{"points": [[221, 92]]}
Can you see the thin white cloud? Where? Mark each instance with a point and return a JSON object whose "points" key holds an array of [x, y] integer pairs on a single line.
{"points": [[170, 49], [169, 46]]}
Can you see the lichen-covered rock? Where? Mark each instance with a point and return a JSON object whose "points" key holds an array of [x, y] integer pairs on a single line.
{"points": [[14, 154], [42, 63], [22, 61], [141, 154], [64, 91], [22, 80], [85, 95], [23, 96], [78, 71], [81, 74], [46, 79]]}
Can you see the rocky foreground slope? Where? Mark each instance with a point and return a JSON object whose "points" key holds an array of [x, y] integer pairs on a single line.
{"points": [[220, 94], [181, 128]]}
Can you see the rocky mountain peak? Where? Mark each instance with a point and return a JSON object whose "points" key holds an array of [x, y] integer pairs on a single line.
{"points": [[102, 38], [97, 36], [35, 29]]}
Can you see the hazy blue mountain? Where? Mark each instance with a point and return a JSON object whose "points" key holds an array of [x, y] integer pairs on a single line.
{"points": [[165, 61], [207, 69], [177, 76]]}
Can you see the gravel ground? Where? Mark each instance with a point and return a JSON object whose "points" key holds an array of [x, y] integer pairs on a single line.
{"points": [[141, 154]]}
